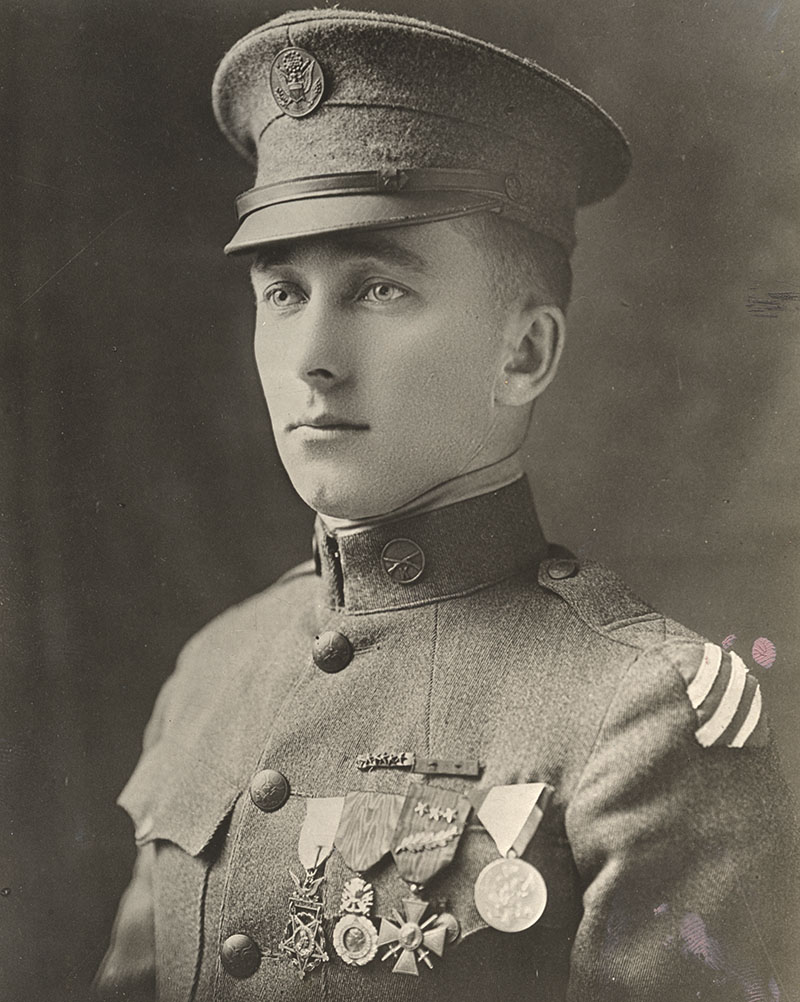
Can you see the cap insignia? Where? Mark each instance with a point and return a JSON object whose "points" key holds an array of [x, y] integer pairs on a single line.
{"points": [[296, 80]]}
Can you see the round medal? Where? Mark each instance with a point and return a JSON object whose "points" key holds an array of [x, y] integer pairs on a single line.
{"points": [[355, 939], [510, 894]]}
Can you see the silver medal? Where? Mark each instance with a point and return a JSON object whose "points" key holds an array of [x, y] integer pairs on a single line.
{"points": [[510, 894]]}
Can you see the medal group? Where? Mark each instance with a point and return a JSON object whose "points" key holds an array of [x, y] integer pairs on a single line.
{"points": [[422, 831]]}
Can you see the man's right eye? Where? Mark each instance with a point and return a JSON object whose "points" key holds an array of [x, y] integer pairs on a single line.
{"points": [[283, 295]]}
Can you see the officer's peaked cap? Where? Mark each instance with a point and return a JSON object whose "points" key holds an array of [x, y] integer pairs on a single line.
{"points": [[359, 121]]}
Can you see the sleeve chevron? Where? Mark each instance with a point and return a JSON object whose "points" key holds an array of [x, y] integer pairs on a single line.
{"points": [[726, 700]]}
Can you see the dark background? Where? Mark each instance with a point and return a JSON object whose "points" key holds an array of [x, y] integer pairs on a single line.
{"points": [[143, 490]]}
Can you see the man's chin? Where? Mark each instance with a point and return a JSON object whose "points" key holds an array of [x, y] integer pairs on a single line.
{"points": [[344, 506], [336, 498]]}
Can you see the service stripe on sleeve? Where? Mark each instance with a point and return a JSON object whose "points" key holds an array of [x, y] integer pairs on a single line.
{"points": [[712, 729], [750, 721], [725, 697], [733, 728], [701, 684], [706, 710]]}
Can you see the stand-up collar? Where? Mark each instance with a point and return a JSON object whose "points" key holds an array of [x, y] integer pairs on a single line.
{"points": [[433, 555]]}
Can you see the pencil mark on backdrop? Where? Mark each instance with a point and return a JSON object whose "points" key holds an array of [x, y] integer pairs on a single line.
{"points": [[769, 305], [76, 255]]}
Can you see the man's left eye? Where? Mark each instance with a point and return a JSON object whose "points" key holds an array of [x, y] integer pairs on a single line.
{"points": [[382, 292]]}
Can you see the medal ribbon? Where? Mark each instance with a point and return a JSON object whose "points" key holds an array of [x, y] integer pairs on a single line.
{"points": [[367, 825], [430, 826], [319, 830], [511, 814]]}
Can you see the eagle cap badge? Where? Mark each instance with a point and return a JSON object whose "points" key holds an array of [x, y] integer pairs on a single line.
{"points": [[296, 81]]}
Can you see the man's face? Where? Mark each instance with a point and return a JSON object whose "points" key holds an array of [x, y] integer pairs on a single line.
{"points": [[378, 354]]}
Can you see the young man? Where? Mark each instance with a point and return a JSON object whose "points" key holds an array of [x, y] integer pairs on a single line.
{"points": [[442, 760]]}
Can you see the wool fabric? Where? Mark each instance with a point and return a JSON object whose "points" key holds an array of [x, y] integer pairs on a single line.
{"points": [[402, 95], [665, 861]]}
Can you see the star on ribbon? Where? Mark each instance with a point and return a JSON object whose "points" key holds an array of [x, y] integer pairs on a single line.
{"points": [[413, 939]]}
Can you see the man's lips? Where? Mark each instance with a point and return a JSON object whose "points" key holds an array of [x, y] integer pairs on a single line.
{"points": [[328, 422]]}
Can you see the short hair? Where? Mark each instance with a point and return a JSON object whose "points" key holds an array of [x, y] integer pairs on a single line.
{"points": [[521, 260]]}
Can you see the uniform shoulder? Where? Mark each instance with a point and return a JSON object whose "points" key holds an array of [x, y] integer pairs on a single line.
{"points": [[226, 652], [246, 623], [262, 601], [719, 697], [602, 600]]}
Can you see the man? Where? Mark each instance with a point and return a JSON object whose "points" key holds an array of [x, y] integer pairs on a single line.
{"points": [[442, 760]]}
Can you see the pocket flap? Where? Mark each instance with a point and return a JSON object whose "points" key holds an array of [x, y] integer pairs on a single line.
{"points": [[172, 795]]}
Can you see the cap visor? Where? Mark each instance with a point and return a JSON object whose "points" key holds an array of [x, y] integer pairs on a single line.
{"points": [[309, 217]]}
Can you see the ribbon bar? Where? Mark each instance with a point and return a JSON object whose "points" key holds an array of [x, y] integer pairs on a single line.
{"points": [[441, 767]]}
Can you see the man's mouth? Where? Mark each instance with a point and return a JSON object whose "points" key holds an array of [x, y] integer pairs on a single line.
{"points": [[327, 422]]}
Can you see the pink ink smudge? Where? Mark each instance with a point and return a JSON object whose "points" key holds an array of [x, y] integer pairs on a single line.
{"points": [[729, 641], [699, 943], [764, 652]]}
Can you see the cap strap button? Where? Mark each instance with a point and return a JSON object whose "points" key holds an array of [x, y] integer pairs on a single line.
{"points": [[513, 187]]}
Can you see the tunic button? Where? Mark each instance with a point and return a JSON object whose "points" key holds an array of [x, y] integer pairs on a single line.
{"points": [[240, 956], [269, 790], [560, 569], [332, 651]]}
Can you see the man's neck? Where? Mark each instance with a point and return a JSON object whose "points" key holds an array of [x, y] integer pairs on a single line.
{"points": [[468, 485]]}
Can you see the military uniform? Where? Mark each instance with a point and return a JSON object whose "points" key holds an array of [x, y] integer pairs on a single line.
{"points": [[663, 858], [421, 665]]}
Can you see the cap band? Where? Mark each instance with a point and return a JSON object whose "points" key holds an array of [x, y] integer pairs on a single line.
{"points": [[390, 181]]}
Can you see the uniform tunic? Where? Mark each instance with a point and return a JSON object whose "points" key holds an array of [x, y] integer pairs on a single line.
{"points": [[664, 848]]}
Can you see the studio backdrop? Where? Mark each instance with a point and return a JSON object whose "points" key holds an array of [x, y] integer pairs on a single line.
{"points": [[142, 491]]}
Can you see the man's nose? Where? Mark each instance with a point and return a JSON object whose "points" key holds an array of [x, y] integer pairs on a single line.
{"points": [[323, 358]]}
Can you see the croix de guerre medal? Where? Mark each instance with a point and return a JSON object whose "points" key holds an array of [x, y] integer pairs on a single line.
{"points": [[412, 938], [303, 940], [510, 893], [431, 823]]}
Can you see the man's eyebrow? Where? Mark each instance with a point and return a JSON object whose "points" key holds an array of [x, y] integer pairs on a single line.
{"points": [[362, 245], [384, 248], [272, 256]]}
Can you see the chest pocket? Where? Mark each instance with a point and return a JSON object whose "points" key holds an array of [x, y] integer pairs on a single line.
{"points": [[175, 797], [179, 803]]}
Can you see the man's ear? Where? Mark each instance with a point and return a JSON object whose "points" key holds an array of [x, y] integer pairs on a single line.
{"points": [[533, 342]]}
